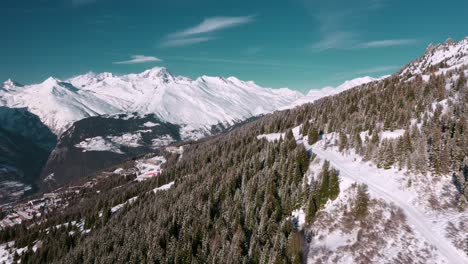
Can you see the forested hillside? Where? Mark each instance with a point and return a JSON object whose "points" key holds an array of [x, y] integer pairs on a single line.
{"points": [[234, 194]]}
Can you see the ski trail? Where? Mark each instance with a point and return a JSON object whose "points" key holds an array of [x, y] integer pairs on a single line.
{"points": [[416, 219]]}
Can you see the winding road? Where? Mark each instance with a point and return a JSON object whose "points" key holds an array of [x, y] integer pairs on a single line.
{"points": [[415, 218]]}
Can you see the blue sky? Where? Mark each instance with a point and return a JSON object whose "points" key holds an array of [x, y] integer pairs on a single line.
{"points": [[300, 44]]}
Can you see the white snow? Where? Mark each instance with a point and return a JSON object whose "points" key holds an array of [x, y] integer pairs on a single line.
{"points": [[5, 256], [386, 184], [197, 103], [149, 168], [454, 54], [429, 220], [98, 144], [162, 141], [299, 217], [387, 134], [163, 187], [49, 177], [128, 140], [316, 94], [271, 137], [150, 124], [120, 206], [118, 170], [110, 143], [337, 239], [383, 237]]}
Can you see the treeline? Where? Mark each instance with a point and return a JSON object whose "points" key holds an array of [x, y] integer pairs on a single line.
{"points": [[233, 194], [433, 115]]}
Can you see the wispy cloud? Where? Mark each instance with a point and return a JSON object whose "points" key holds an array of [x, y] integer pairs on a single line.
{"points": [[135, 59], [178, 42], [338, 24], [213, 24], [201, 32], [335, 40], [388, 43], [378, 69], [349, 40]]}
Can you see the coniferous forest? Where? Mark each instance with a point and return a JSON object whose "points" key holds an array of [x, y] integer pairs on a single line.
{"points": [[234, 194]]}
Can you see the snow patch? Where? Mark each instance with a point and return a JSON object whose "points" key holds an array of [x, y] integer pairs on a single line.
{"points": [[271, 137], [98, 144], [392, 134], [150, 124], [163, 187]]}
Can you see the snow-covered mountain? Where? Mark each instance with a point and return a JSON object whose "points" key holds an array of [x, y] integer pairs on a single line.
{"points": [[316, 94], [448, 55], [58, 104], [194, 104]]}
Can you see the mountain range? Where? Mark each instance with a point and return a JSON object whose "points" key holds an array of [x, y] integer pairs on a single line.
{"points": [[339, 175], [197, 107], [194, 104]]}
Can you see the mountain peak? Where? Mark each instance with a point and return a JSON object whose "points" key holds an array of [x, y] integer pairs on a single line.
{"points": [[104, 75], [51, 81], [9, 84], [158, 73], [447, 55]]}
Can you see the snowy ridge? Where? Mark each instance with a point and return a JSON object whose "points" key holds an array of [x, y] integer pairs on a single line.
{"points": [[56, 103], [452, 54], [196, 104], [316, 94]]}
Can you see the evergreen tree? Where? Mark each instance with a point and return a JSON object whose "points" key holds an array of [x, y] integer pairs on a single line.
{"points": [[357, 143], [325, 183], [361, 202], [461, 82], [342, 141], [313, 136], [389, 155], [334, 184]]}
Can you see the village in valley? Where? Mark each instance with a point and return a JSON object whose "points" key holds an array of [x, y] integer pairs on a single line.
{"points": [[33, 209]]}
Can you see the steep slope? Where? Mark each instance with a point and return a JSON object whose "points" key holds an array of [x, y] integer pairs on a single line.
{"points": [[21, 161], [250, 196], [194, 104], [95, 143], [20, 121], [385, 185], [446, 56], [25, 144], [58, 104]]}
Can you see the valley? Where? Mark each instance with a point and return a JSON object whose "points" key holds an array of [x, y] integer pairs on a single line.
{"points": [[168, 169]]}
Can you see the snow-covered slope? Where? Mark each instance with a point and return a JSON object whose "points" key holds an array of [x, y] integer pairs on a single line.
{"points": [[316, 94], [56, 103], [196, 104], [405, 221], [447, 55], [386, 185]]}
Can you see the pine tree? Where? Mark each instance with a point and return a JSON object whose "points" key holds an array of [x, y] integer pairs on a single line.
{"points": [[313, 136], [325, 183], [334, 184], [389, 155], [357, 143], [461, 81], [342, 141], [313, 205], [362, 202]]}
